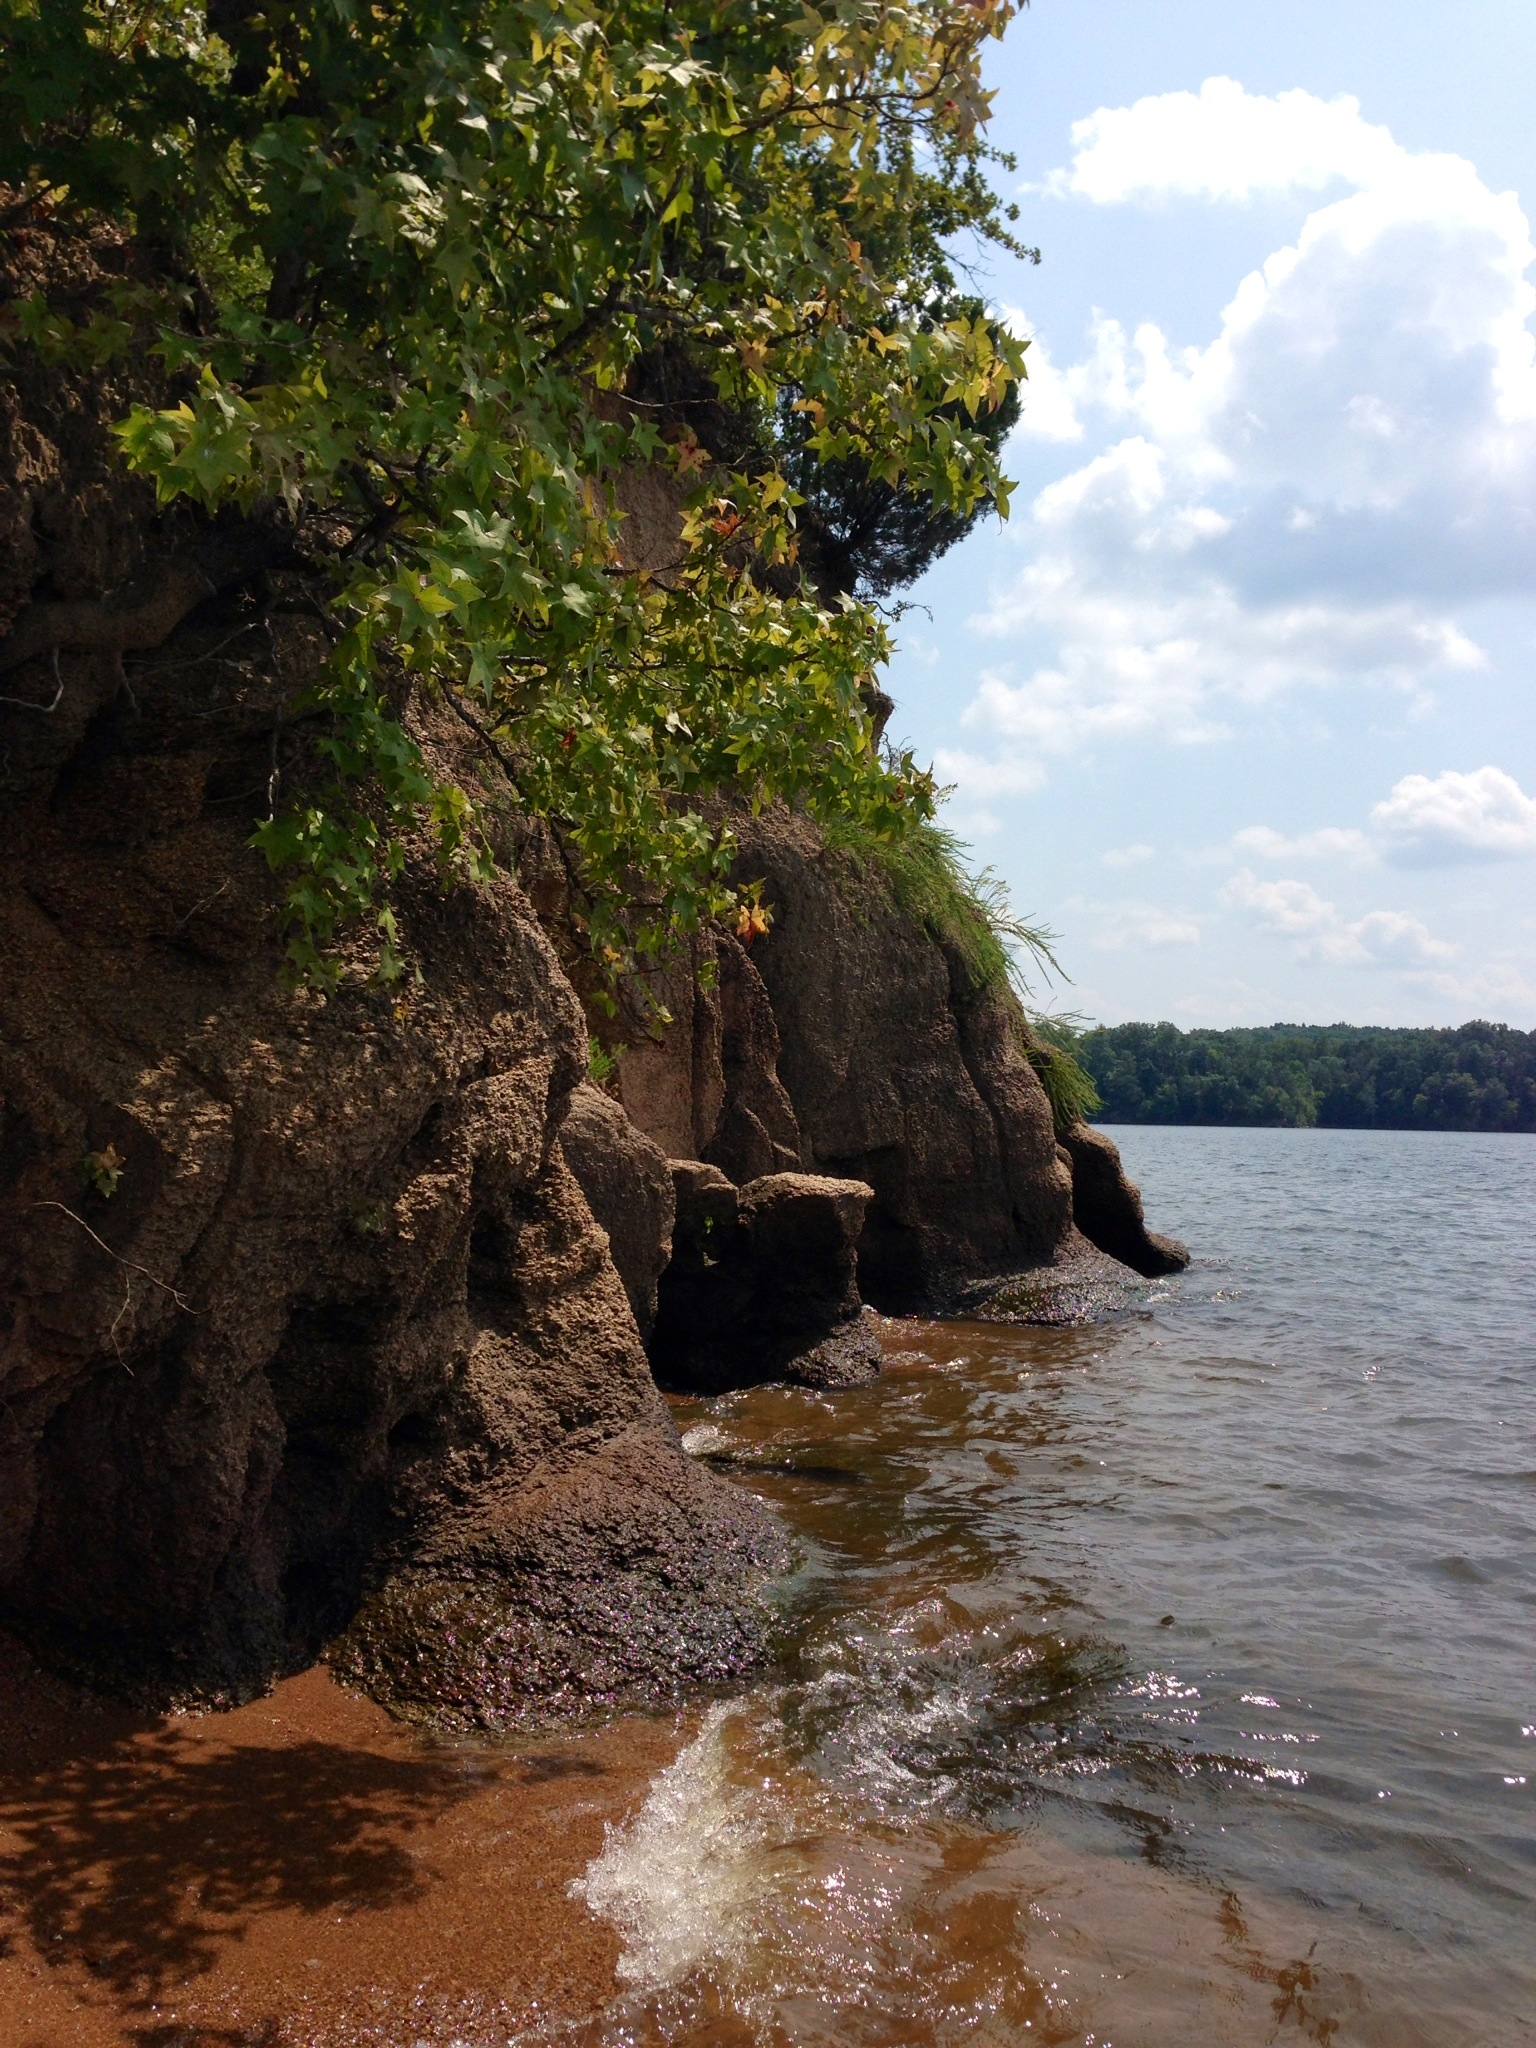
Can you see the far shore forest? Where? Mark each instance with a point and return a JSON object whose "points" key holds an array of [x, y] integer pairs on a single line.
{"points": [[1476, 1077]]}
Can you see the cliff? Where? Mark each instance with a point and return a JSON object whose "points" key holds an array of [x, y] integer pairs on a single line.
{"points": [[308, 1334], [303, 1318]]}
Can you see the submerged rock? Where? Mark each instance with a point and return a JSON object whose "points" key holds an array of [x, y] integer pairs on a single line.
{"points": [[626, 1582], [1080, 1285]]}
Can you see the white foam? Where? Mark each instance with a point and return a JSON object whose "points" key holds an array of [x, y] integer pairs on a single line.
{"points": [[702, 1438], [874, 1730], [680, 1880]]}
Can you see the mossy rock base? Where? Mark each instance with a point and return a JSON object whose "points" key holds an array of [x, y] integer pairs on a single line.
{"points": [[1084, 1286], [465, 1655]]}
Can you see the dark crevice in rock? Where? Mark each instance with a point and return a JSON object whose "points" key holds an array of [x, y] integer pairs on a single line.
{"points": [[415, 1431], [762, 1283], [892, 1253]]}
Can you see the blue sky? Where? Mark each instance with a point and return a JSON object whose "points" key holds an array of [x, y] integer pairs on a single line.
{"points": [[1240, 700]]}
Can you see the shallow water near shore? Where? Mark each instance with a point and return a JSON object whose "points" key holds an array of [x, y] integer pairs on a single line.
{"points": [[1171, 1681]]}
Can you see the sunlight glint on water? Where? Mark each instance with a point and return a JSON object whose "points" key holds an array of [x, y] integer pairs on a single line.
{"points": [[1170, 1682]]}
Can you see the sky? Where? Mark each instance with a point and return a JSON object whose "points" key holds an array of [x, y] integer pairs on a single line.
{"points": [[1239, 701]]}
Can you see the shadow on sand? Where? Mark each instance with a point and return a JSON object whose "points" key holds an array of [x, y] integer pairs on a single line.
{"points": [[143, 1859]]}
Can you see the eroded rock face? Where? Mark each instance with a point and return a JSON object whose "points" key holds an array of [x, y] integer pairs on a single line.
{"points": [[628, 1185], [763, 1283], [300, 1303], [707, 1085], [848, 1043], [901, 1080], [1106, 1207], [347, 1311]]}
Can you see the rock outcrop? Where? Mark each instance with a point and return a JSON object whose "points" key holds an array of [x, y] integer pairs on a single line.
{"points": [[321, 1318], [855, 1039], [1107, 1207], [304, 1318], [628, 1185], [763, 1283], [901, 1077], [880, 1066]]}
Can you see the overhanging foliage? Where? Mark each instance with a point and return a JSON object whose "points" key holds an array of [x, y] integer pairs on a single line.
{"points": [[414, 256]]}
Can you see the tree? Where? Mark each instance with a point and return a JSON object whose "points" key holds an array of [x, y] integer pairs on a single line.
{"points": [[419, 265], [1479, 1077]]}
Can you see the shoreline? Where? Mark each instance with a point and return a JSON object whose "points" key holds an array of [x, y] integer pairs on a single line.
{"points": [[299, 1872], [1124, 1123]]}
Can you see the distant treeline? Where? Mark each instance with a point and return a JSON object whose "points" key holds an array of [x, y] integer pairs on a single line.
{"points": [[1479, 1077]]}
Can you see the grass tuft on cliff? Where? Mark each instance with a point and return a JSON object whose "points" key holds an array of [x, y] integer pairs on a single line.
{"points": [[1050, 1046], [968, 912], [964, 909]]}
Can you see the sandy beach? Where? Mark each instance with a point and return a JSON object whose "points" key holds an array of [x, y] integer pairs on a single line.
{"points": [[300, 1873]]}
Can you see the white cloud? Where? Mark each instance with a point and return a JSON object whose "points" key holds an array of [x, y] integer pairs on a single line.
{"points": [[1499, 987], [1179, 656], [1291, 907], [976, 824], [990, 777], [1392, 936], [1296, 911], [1310, 500], [1049, 398], [1125, 483], [1330, 842], [1129, 924], [1426, 821], [1482, 816], [1221, 143], [1127, 856]]}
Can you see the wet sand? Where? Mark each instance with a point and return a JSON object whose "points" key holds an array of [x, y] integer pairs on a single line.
{"points": [[300, 1873]]}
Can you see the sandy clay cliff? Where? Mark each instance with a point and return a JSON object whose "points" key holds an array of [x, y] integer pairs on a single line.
{"points": [[336, 1326]]}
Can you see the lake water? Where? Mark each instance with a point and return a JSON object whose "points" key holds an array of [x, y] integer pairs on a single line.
{"points": [[1162, 1684]]}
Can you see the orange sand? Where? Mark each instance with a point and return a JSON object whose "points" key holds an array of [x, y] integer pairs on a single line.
{"points": [[300, 1873]]}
